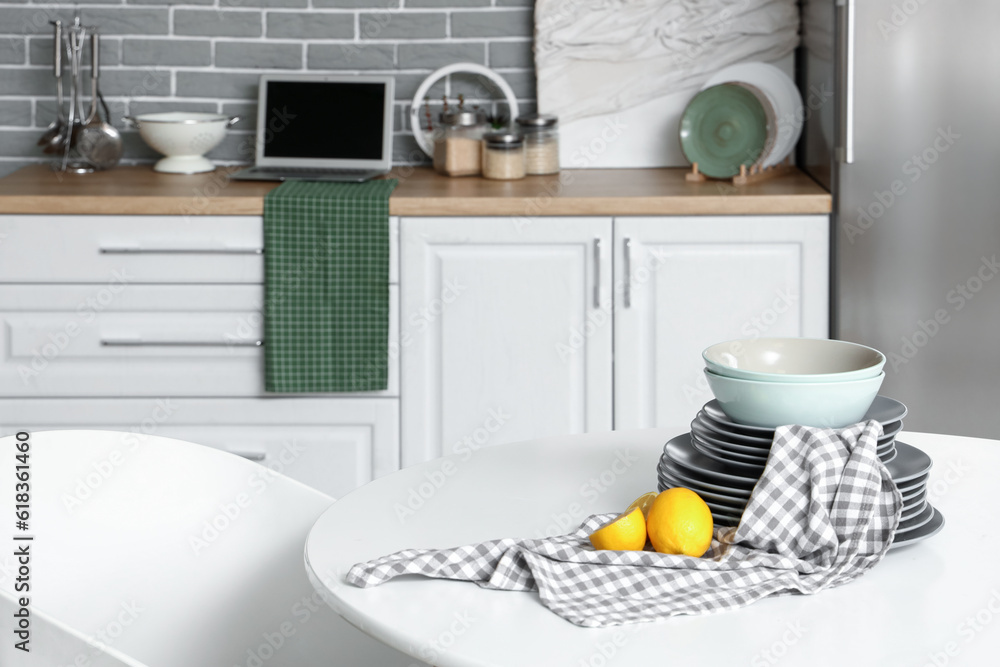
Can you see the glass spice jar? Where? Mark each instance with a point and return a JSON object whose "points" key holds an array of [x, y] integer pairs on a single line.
{"points": [[458, 144], [541, 143], [503, 156]]}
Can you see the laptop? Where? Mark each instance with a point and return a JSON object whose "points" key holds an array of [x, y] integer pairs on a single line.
{"points": [[322, 128]]}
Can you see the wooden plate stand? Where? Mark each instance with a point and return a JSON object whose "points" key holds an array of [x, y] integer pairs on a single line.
{"points": [[747, 176]]}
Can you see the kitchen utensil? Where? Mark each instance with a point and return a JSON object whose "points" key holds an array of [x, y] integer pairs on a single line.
{"points": [[99, 143], [71, 159], [423, 137], [793, 360], [784, 96], [55, 134], [772, 404], [183, 137], [722, 128]]}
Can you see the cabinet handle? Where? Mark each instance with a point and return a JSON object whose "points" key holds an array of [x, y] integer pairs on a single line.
{"points": [[627, 296], [138, 342], [845, 81], [136, 250], [597, 273]]}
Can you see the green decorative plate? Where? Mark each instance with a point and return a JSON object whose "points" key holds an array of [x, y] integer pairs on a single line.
{"points": [[722, 128]]}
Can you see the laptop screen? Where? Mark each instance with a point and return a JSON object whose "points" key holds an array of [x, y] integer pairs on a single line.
{"points": [[326, 120]]}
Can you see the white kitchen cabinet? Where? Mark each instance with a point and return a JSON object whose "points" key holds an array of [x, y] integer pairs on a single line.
{"points": [[505, 331], [201, 249], [121, 339], [684, 283], [333, 445]]}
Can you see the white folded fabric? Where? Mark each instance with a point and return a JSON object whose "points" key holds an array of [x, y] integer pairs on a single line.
{"points": [[595, 57]]}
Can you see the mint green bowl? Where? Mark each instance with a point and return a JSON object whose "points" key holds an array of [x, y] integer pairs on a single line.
{"points": [[793, 360], [773, 404]]}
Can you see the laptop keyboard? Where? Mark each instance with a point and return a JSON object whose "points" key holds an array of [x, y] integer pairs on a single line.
{"points": [[308, 170]]}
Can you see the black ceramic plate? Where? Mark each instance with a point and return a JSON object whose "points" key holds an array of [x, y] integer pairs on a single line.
{"points": [[687, 477], [932, 527], [716, 496], [699, 430], [884, 410], [916, 522], [681, 452], [911, 463]]}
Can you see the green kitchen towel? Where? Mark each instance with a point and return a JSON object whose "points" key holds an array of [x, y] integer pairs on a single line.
{"points": [[326, 276]]}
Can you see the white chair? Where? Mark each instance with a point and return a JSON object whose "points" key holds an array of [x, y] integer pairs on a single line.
{"points": [[155, 552]]}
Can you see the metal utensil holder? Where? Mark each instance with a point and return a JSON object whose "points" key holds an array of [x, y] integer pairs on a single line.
{"points": [[73, 39]]}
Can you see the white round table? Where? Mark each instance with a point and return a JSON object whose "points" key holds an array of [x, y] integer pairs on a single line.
{"points": [[936, 602]]}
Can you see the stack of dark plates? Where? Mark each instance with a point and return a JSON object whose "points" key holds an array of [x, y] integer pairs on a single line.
{"points": [[722, 460]]}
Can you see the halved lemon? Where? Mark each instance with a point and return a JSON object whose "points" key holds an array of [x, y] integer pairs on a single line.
{"points": [[626, 533], [643, 502]]}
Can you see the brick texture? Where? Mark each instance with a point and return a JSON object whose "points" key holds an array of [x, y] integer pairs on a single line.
{"points": [[207, 55]]}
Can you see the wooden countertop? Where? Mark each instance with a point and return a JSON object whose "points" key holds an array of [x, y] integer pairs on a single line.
{"points": [[421, 192]]}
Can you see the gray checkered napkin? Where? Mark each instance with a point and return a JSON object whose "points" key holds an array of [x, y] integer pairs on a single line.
{"points": [[824, 512]]}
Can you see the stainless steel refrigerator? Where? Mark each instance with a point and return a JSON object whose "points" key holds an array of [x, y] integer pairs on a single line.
{"points": [[903, 126]]}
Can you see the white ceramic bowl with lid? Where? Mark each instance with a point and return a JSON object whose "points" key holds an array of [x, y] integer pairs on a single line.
{"points": [[183, 137]]}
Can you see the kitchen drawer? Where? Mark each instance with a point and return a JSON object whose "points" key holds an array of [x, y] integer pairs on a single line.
{"points": [[140, 249], [333, 445], [145, 340]]}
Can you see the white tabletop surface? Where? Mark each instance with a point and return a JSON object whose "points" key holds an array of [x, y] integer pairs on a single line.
{"points": [[936, 602]]}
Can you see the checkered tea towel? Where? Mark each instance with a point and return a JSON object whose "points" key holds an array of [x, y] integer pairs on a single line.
{"points": [[823, 513], [326, 307]]}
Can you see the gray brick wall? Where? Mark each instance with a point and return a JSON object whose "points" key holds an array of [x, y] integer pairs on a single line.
{"points": [[206, 55]]}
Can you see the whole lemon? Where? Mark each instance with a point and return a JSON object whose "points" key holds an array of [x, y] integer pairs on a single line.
{"points": [[680, 522]]}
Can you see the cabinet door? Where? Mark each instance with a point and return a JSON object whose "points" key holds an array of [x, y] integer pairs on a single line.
{"points": [[506, 331], [687, 283], [332, 445]]}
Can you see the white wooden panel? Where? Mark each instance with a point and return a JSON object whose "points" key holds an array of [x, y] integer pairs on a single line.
{"points": [[699, 281], [68, 341], [502, 340], [68, 249], [332, 445]]}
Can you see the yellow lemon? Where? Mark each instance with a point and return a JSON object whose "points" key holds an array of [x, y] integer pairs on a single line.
{"points": [[680, 522], [626, 533], [643, 502]]}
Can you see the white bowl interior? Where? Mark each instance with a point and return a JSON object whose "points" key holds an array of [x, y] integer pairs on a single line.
{"points": [[794, 356], [180, 117]]}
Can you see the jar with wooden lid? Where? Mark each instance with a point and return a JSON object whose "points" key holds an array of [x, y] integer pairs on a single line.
{"points": [[541, 143], [458, 144], [503, 156]]}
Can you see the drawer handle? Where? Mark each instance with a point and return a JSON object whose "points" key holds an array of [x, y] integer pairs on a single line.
{"points": [[138, 342], [135, 250]]}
